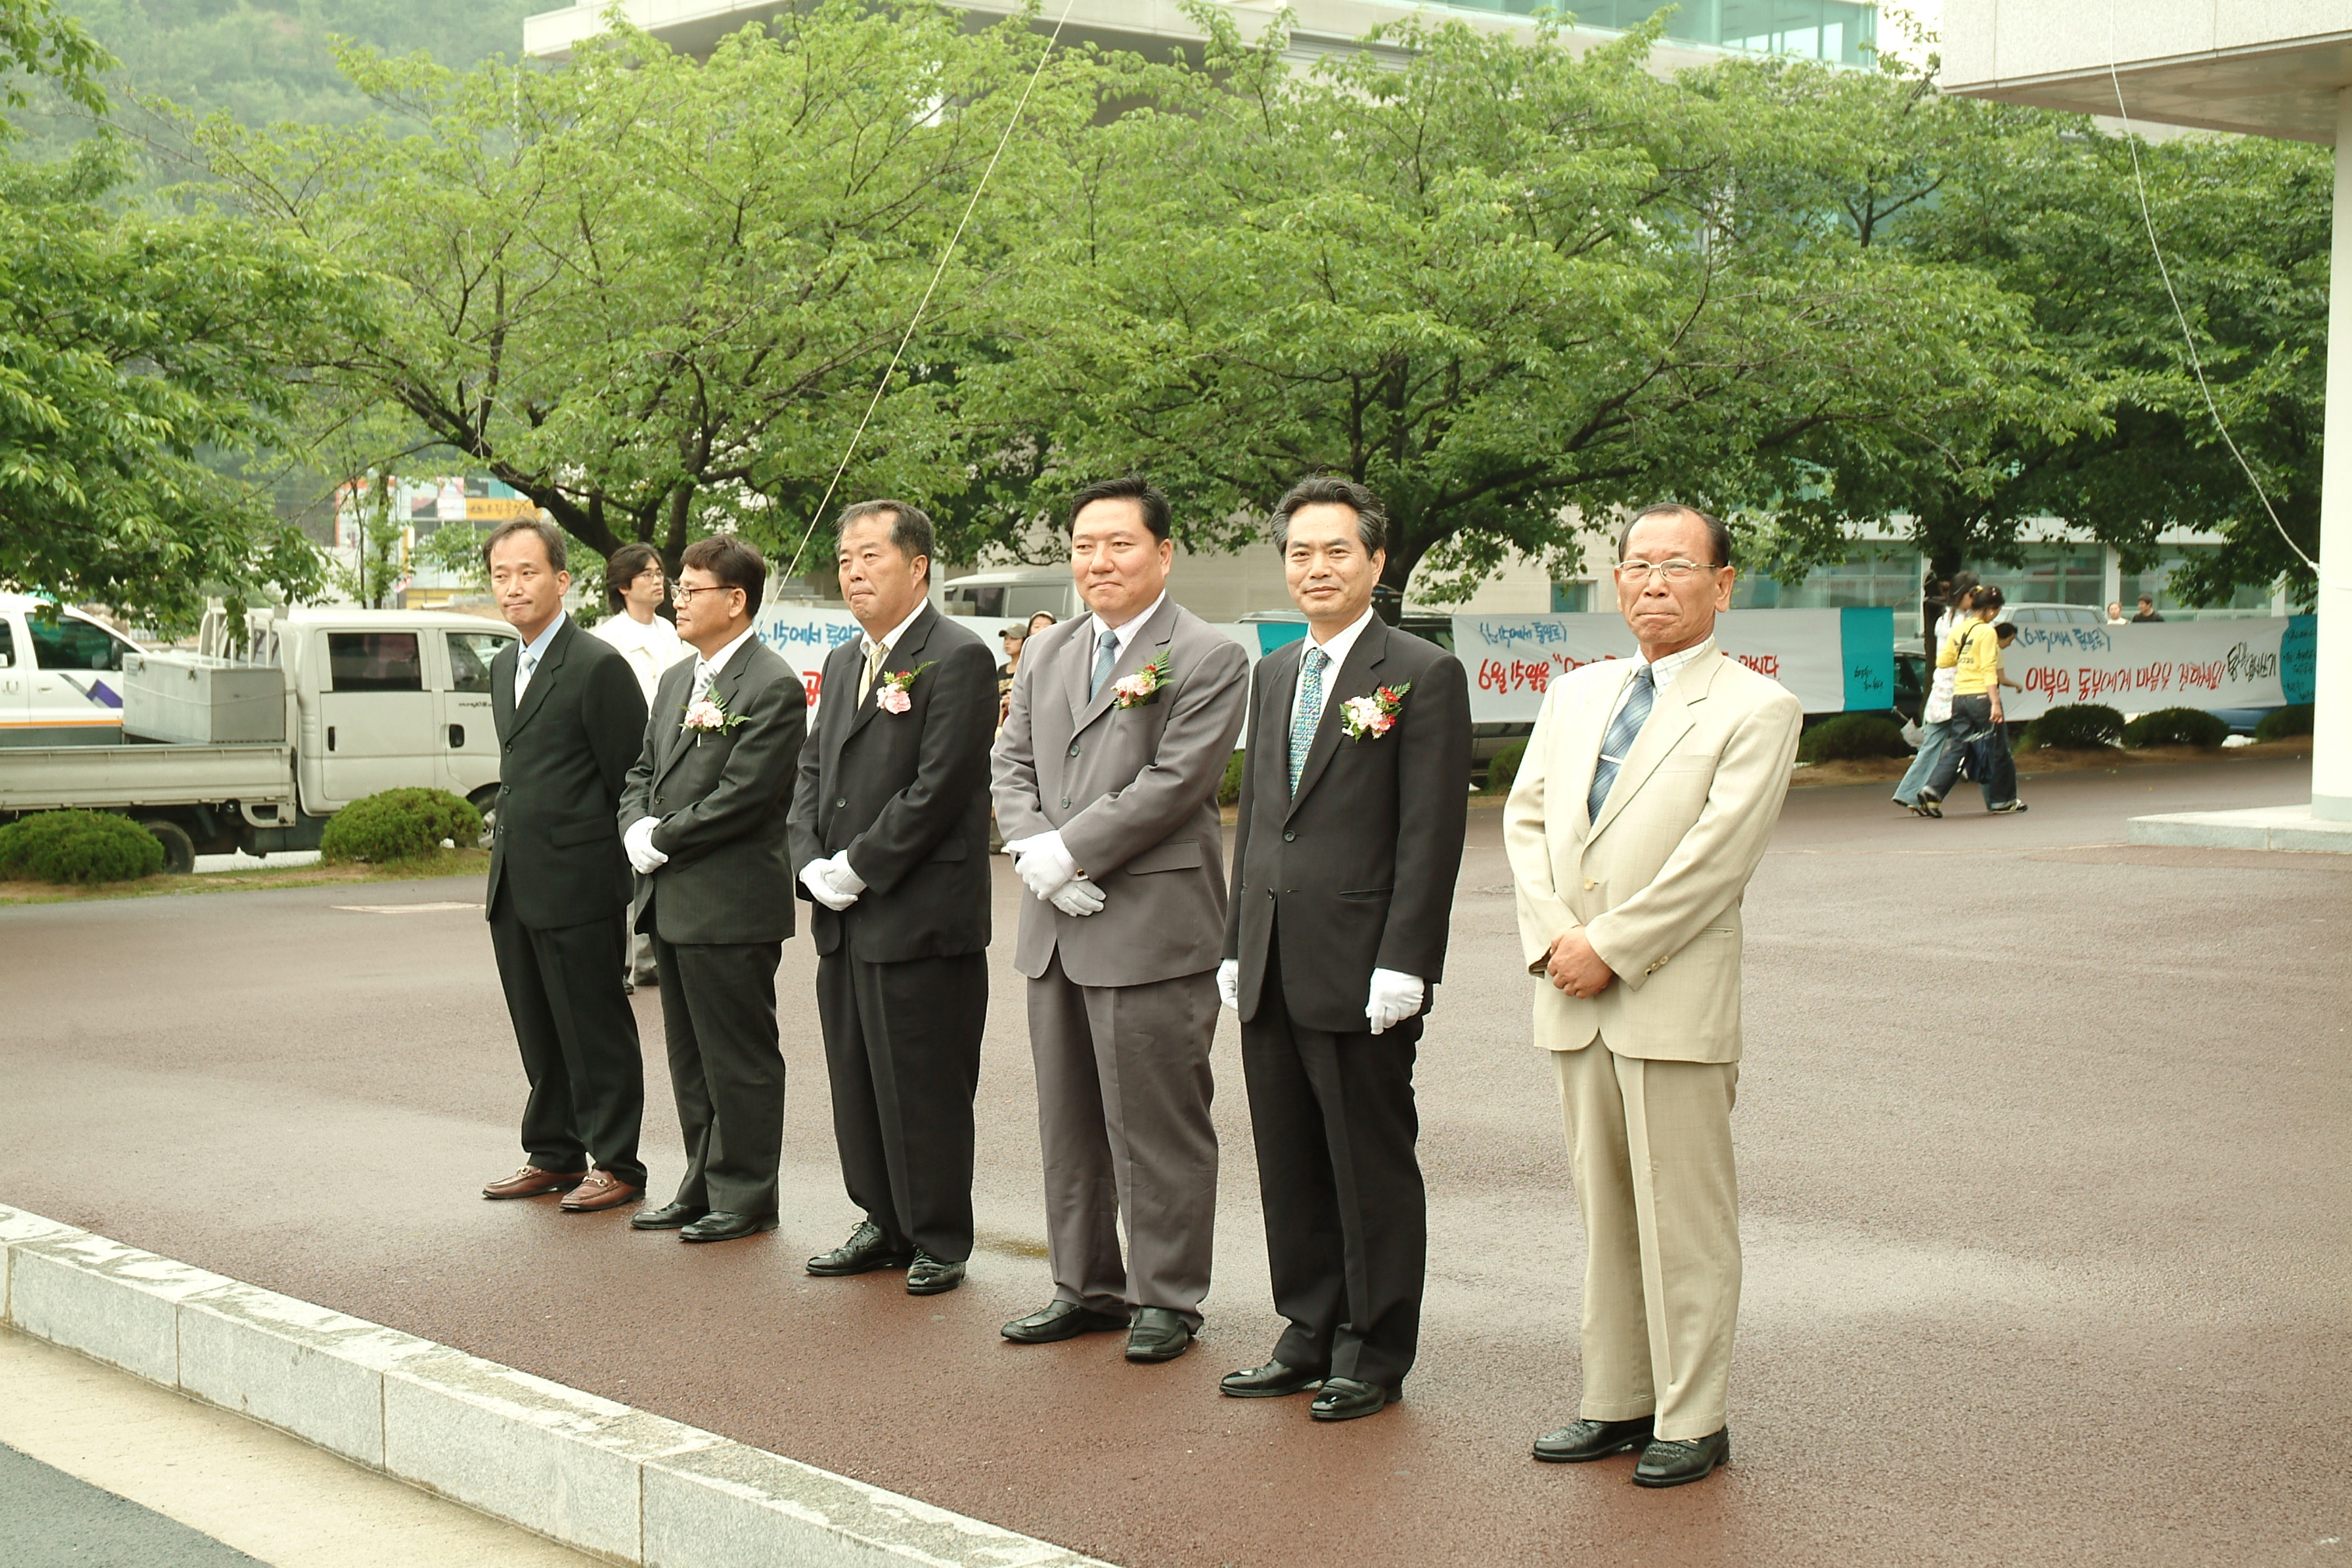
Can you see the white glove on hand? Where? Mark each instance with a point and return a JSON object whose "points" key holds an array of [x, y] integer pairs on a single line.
{"points": [[639, 843], [817, 877], [1229, 984], [1077, 897], [1043, 863], [1395, 998]]}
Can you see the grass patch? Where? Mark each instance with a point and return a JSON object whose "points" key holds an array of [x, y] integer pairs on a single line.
{"points": [[466, 862]]}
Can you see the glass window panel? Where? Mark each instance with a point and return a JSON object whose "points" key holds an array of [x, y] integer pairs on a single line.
{"points": [[469, 660], [374, 661], [69, 644]]}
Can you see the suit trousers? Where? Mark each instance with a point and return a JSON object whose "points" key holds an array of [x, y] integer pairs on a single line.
{"points": [[1650, 1145], [726, 1070], [902, 1047], [1346, 1217], [1123, 1092], [579, 1041]]}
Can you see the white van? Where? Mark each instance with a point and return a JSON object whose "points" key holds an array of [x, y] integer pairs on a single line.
{"points": [[1012, 593], [60, 675]]}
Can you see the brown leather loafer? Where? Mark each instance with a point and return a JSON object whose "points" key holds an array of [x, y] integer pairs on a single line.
{"points": [[530, 1182], [602, 1190]]}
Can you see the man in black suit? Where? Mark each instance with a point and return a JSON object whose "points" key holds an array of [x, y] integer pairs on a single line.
{"points": [[889, 828], [569, 716], [703, 821], [1353, 806]]}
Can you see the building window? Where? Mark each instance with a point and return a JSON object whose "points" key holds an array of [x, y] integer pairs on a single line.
{"points": [[1865, 577], [2051, 574], [2158, 586], [1571, 599], [1833, 30]]}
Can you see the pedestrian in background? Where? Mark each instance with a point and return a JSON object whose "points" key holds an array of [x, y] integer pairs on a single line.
{"points": [[1972, 653], [2146, 611], [636, 588], [1936, 711], [1991, 763], [2114, 613]]}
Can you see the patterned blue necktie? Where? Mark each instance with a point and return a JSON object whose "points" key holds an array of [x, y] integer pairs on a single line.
{"points": [[1105, 660], [1620, 740], [1309, 713]]}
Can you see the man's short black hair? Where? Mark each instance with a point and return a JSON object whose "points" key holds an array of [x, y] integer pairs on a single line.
{"points": [[624, 566], [1371, 518], [1132, 487], [735, 562], [911, 533], [549, 535], [1718, 538]]}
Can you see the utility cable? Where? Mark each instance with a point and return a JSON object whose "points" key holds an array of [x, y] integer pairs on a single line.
{"points": [[937, 273]]}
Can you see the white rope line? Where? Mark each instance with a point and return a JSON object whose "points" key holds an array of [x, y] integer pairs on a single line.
{"points": [[2187, 337], [924, 303]]}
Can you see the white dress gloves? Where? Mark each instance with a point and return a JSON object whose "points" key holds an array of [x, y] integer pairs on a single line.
{"points": [[832, 883], [1229, 984], [1395, 998], [639, 843], [1046, 870]]}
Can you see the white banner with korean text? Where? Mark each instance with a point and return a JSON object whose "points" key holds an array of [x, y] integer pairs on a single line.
{"points": [[1832, 660], [2142, 666]]}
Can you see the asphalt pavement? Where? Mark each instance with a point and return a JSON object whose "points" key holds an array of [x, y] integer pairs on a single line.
{"points": [[2044, 1139]]}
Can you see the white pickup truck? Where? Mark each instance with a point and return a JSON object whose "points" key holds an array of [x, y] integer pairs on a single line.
{"points": [[353, 702]]}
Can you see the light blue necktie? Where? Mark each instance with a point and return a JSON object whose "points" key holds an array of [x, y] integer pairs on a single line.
{"points": [[1105, 660], [1309, 713], [1620, 740], [524, 673]]}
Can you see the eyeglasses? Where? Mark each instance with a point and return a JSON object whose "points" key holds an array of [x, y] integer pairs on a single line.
{"points": [[1674, 572], [682, 594]]}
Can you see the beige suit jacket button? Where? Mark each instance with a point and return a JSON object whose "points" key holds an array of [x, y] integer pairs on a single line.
{"points": [[1589, 884]]}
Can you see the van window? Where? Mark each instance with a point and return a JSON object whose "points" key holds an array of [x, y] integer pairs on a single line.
{"points": [[69, 644], [984, 600], [7, 647], [1025, 599], [469, 660], [374, 661]]}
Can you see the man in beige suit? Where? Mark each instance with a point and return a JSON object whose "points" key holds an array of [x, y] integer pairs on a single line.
{"points": [[1648, 793], [1104, 779]]}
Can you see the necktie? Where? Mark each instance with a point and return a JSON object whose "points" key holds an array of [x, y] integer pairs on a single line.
{"points": [[875, 654], [703, 675], [523, 667], [1620, 740], [1308, 712], [1105, 660]]}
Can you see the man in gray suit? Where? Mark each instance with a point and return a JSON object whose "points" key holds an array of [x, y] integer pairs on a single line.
{"points": [[703, 820], [1105, 779]]}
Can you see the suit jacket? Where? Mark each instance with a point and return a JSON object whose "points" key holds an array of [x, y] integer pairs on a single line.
{"points": [[1133, 792], [720, 799], [1358, 879], [563, 756], [906, 795], [1657, 881]]}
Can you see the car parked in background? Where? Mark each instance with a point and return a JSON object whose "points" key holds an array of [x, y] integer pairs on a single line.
{"points": [[60, 675]]}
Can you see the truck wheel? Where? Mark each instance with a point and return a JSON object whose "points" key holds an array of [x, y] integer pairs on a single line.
{"points": [[484, 801], [179, 849]]}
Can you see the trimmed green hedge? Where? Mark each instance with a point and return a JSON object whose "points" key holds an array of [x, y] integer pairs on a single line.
{"points": [[1850, 737], [2076, 727], [399, 825], [78, 846], [1505, 767], [1229, 788], [2176, 727], [2284, 724]]}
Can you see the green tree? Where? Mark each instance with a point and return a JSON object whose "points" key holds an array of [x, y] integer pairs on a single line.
{"points": [[138, 355], [654, 294], [1495, 282]]}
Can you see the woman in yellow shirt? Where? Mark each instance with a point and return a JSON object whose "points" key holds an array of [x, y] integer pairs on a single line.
{"points": [[1972, 653]]}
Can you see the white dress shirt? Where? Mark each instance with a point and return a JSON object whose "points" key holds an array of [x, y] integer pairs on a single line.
{"points": [[867, 645], [650, 649], [1103, 628], [1663, 672], [527, 658], [1337, 651]]}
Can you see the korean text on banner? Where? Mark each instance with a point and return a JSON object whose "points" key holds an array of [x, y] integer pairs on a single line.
{"points": [[1830, 660], [2138, 667]]}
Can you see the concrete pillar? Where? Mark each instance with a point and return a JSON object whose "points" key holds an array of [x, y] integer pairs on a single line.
{"points": [[2331, 747]]}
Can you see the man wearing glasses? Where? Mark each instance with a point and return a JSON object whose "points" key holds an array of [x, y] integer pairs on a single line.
{"points": [[1650, 789]]}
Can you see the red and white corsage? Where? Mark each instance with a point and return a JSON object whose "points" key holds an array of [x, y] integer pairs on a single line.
{"points": [[1370, 717]]}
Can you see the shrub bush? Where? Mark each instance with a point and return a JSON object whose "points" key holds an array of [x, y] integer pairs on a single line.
{"points": [[1229, 789], [78, 846], [2176, 727], [2284, 724], [2078, 727], [1850, 737], [399, 825], [1505, 767]]}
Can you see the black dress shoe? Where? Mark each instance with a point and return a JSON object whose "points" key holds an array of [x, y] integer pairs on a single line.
{"points": [[1270, 1380], [867, 1249], [1158, 1334], [1059, 1320], [928, 1276], [669, 1216], [1674, 1464], [1581, 1441], [720, 1226], [1345, 1399]]}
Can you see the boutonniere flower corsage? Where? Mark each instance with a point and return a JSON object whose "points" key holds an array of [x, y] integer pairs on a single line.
{"points": [[708, 713], [1370, 718], [1135, 690], [890, 690]]}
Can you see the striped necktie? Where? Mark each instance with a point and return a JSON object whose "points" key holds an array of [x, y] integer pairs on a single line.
{"points": [[523, 668], [1309, 713], [875, 654], [1620, 740]]}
